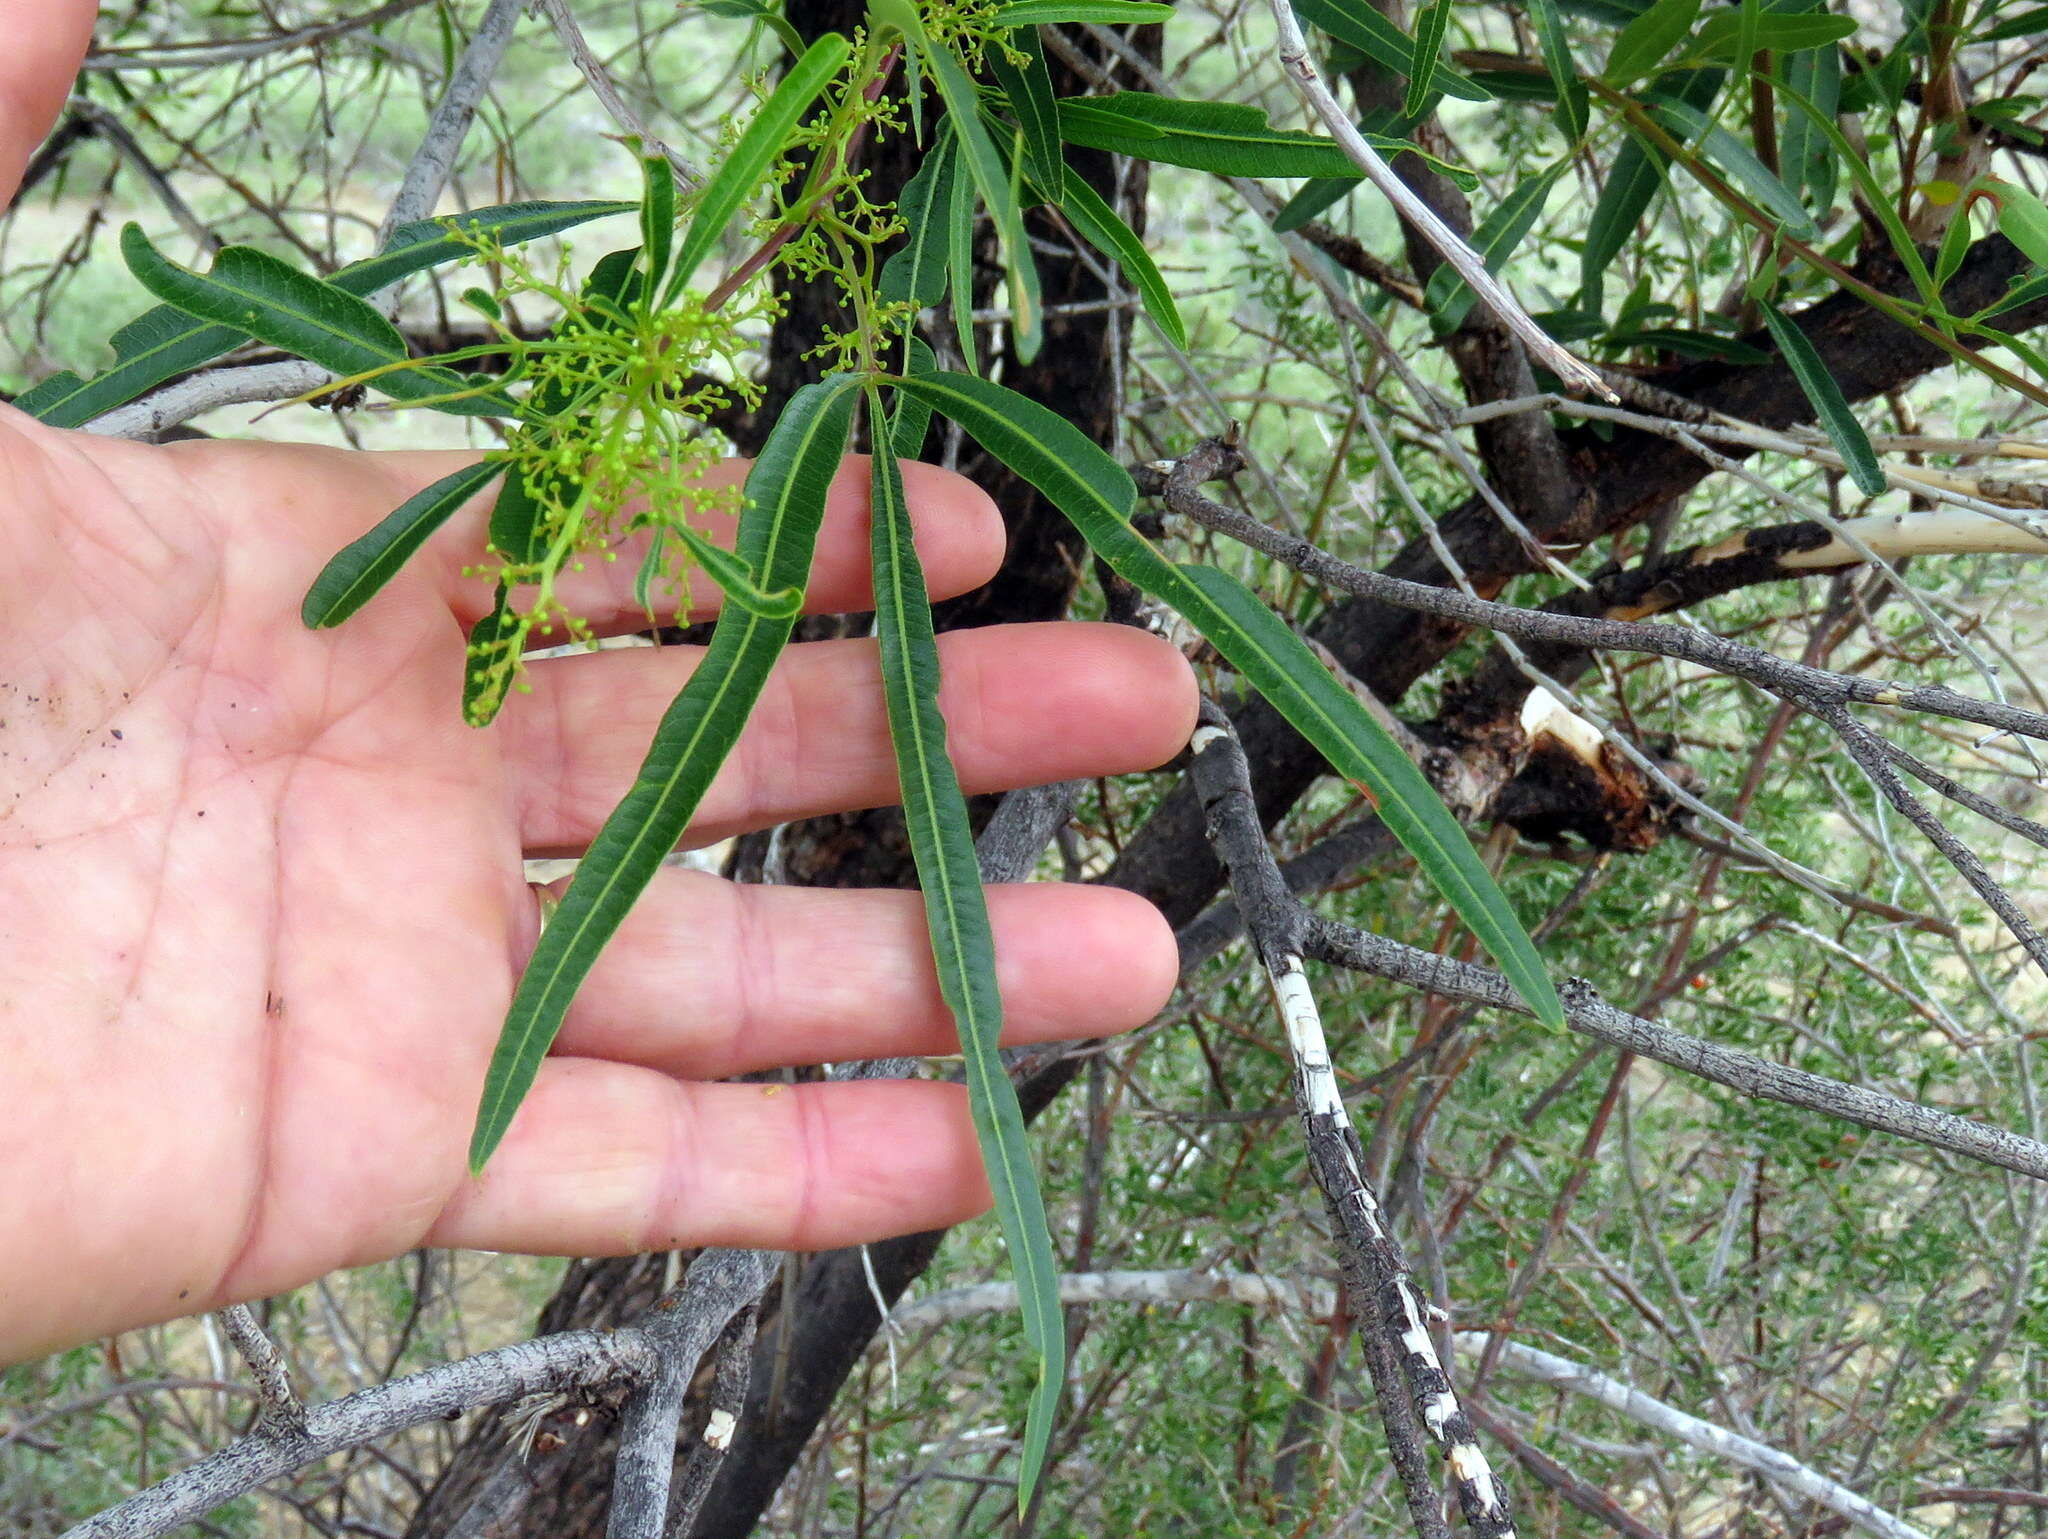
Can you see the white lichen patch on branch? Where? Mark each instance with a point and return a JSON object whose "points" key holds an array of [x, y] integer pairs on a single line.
{"points": [[1470, 1466], [1304, 1023], [1437, 1411], [1415, 1337]]}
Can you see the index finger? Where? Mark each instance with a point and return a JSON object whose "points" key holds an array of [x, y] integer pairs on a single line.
{"points": [[45, 41]]}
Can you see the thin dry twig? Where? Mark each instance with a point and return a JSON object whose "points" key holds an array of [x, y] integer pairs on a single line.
{"points": [[573, 1360], [283, 1412], [1301, 71]]}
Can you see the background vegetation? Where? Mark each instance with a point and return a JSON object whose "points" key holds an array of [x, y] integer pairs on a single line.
{"points": [[1869, 1307]]}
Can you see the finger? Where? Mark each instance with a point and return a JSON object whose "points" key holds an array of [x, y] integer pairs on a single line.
{"points": [[607, 1159], [45, 41], [709, 979], [1024, 704], [318, 499]]}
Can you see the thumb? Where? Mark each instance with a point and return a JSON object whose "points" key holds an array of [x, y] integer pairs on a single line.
{"points": [[45, 41]]}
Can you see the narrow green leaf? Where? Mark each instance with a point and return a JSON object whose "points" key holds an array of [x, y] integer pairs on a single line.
{"points": [[1955, 245], [1688, 344], [992, 181], [162, 343], [1564, 69], [1747, 22], [1880, 199], [917, 273], [275, 303], [747, 163], [1228, 138], [2026, 24], [1518, 85], [1103, 229], [1359, 23], [761, 14], [1028, 89], [963, 945], [650, 568], [1739, 161], [2023, 220], [1643, 44], [1097, 496], [1720, 35], [495, 642], [913, 87], [1430, 28], [1805, 159], [1315, 195], [960, 257], [913, 416], [1448, 296], [2024, 291], [156, 346], [736, 582], [1632, 181], [428, 243], [657, 217], [1107, 13], [2021, 349], [778, 533], [360, 568], [1847, 434]]}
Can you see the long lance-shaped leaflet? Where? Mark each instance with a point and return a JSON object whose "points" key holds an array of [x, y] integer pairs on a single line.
{"points": [[1097, 495], [963, 946], [778, 533]]}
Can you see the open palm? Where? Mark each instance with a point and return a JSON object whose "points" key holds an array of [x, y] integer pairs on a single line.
{"points": [[262, 904]]}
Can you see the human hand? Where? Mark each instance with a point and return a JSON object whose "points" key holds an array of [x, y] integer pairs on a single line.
{"points": [[262, 904]]}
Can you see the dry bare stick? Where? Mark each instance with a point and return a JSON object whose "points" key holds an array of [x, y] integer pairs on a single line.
{"points": [[1314, 1298], [600, 82], [1588, 1499], [1807, 686], [1585, 1012], [161, 410], [2012, 505], [1253, 1290], [728, 1400], [283, 1412], [1309, 86], [1818, 691], [1390, 1307], [1868, 750], [206, 55], [682, 1327], [572, 1360], [435, 157], [1780, 1468]]}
